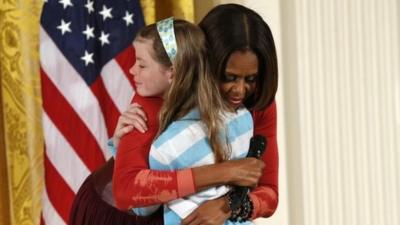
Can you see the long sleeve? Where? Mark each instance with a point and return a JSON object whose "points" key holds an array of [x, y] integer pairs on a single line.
{"points": [[265, 195], [134, 185]]}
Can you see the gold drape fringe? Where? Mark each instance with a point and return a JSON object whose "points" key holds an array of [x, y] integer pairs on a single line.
{"points": [[21, 104]]}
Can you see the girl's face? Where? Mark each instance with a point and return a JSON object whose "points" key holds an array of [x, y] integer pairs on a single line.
{"points": [[240, 77], [150, 77]]}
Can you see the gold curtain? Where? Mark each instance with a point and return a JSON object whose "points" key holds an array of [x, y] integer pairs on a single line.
{"points": [[154, 10], [4, 206], [21, 138]]}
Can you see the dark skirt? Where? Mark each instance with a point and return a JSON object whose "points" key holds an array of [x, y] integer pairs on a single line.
{"points": [[93, 204]]}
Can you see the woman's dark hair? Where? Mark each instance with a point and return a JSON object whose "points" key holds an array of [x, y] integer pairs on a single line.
{"points": [[231, 27]]}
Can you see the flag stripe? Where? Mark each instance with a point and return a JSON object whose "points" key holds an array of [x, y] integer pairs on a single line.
{"points": [[73, 88], [62, 115], [107, 106], [117, 84], [50, 215], [60, 195], [126, 60], [74, 171]]}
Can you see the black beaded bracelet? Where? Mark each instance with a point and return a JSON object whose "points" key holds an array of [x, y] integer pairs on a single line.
{"points": [[246, 209], [241, 207], [234, 202]]}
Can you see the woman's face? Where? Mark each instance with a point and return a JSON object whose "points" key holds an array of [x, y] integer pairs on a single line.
{"points": [[150, 77], [240, 77]]}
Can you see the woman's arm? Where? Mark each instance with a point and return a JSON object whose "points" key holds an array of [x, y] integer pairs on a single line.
{"points": [[135, 185], [133, 182], [265, 195]]}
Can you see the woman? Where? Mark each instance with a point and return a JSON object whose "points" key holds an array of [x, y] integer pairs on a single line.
{"points": [[242, 46]]}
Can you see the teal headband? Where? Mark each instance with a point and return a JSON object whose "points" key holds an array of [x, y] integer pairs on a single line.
{"points": [[165, 29]]}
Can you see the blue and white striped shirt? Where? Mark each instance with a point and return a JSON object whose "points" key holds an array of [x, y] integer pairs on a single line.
{"points": [[184, 144]]}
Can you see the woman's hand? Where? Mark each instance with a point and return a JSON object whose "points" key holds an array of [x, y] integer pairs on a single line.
{"points": [[212, 212], [133, 117]]}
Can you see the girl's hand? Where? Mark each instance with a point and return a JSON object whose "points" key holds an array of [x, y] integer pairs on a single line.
{"points": [[244, 172], [241, 172], [212, 212]]}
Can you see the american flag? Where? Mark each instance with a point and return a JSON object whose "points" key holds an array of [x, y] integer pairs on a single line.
{"points": [[85, 55]]}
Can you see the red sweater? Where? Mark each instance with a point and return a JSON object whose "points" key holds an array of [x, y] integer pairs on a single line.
{"points": [[135, 185]]}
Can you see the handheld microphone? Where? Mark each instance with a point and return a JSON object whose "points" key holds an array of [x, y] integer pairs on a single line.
{"points": [[257, 147]]}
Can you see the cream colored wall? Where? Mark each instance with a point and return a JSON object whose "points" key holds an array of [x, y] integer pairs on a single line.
{"points": [[342, 80]]}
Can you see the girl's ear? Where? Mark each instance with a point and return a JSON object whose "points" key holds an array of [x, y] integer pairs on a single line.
{"points": [[170, 74]]}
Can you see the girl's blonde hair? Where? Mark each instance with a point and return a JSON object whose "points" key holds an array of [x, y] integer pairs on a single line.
{"points": [[193, 83]]}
